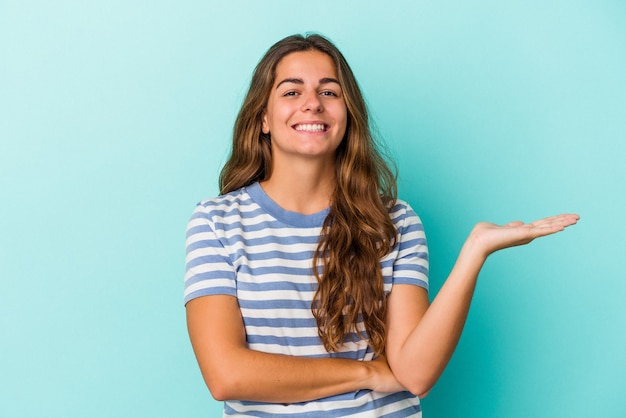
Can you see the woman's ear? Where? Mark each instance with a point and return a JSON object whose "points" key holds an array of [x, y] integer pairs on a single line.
{"points": [[265, 128]]}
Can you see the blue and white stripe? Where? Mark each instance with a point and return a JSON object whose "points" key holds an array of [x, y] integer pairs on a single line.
{"points": [[243, 244]]}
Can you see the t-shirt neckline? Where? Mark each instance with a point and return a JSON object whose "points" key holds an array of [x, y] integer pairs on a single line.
{"points": [[257, 194]]}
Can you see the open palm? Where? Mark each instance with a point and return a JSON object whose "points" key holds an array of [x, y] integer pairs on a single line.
{"points": [[491, 237]]}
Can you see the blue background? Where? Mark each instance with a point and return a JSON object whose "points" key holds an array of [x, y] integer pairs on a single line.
{"points": [[115, 118]]}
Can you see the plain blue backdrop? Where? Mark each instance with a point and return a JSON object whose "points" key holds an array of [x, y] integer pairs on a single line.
{"points": [[115, 118]]}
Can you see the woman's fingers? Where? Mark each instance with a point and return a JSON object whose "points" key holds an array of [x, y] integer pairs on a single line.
{"points": [[557, 223], [565, 220]]}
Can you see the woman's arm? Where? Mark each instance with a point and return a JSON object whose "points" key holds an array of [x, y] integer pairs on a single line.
{"points": [[232, 371], [422, 338]]}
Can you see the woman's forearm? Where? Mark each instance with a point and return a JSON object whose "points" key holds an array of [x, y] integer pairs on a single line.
{"points": [[427, 349], [234, 372], [422, 338], [255, 376]]}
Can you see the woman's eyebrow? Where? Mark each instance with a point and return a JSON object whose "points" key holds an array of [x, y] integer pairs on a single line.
{"points": [[327, 80], [291, 80], [324, 80]]}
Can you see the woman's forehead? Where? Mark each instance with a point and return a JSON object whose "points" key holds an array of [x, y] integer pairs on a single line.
{"points": [[305, 63]]}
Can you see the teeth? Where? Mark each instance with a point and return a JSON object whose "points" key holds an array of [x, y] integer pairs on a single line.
{"points": [[310, 127]]}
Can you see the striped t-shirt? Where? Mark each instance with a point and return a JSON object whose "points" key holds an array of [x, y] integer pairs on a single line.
{"points": [[243, 244]]}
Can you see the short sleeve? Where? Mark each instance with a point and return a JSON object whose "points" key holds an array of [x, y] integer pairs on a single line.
{"points": [[209, 268], [411, 262]]}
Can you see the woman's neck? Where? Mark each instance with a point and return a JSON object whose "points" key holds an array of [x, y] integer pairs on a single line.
{"points": [[300, 187]]}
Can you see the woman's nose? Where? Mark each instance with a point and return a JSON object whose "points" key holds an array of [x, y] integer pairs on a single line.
{"points": [[312, 103]]}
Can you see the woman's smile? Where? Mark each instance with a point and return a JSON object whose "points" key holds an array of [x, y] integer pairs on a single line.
{"points": [[312, 127]]}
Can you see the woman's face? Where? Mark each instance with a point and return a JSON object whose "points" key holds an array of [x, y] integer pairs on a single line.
{"points": [[306, 113]]}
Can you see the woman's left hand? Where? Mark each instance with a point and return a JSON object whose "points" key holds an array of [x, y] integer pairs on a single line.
{"points": [[489, 238]]}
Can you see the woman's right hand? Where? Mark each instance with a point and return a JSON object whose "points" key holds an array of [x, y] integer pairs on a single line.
{"points": [[382, 379]]}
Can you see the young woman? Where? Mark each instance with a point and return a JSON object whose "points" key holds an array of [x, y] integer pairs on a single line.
{"points": [[306, 284]]}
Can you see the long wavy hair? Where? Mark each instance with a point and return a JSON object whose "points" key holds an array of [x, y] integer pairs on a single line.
{"points": [[349, 304]]}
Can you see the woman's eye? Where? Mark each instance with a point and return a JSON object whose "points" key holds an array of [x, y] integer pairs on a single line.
{"points": [[291, 93], [329, 93]]}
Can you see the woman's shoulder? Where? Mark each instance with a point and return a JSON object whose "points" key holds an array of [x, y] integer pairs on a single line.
{"points": [[224, 204], [402, 214], [226, 198], [401, 208]]}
